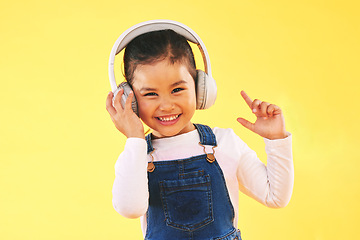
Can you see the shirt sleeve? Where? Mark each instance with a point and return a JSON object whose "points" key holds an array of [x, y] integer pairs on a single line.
{"points": [[270, 184], [130, 189]]}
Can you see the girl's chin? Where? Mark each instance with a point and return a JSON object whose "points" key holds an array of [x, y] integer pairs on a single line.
{"points": [[164, 134]]}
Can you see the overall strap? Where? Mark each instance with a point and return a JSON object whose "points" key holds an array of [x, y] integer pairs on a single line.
{"points": [[149, 145], [207, 137]]}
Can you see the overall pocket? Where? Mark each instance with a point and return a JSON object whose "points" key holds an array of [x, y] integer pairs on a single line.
{"points": [[187, 202]]}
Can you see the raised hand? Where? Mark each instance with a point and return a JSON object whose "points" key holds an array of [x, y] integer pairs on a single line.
{"points": [[125, 120], [269, 122]]}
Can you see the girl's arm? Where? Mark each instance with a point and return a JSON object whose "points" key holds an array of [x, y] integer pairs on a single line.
{"points": [[130, 189], [272, 184]]}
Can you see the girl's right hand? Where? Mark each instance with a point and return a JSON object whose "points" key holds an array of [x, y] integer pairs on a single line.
{"points": [[125, 120]]}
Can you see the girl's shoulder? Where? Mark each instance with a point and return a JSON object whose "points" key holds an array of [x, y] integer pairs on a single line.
{"points": [[226, 136], [222, 131]]}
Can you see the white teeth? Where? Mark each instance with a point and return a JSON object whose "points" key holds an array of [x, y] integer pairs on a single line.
{"points": [[166, 119]]}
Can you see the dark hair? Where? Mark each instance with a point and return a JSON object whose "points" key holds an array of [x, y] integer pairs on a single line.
{"points": [[156, 46]]}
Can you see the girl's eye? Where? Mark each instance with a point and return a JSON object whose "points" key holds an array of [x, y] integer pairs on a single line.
{"points": [[177, 90], [150, 94]]}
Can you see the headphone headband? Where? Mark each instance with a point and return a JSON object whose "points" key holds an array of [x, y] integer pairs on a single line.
{"points": [[150, 26]]}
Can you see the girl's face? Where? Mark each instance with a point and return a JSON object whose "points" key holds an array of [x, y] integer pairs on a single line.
{"points": [[166, 97]]}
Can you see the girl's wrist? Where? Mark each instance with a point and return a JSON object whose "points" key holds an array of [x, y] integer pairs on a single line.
{"points": [[279, 136], [136, 135]]}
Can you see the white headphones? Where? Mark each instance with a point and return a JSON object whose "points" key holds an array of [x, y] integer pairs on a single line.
{"points": [[206, 86]]}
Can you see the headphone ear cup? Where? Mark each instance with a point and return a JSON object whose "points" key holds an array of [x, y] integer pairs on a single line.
{"points": [[206, 90], [127, 89]]}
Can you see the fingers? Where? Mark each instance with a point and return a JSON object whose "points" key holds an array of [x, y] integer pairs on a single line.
{"points": [[260, 108], [256, 107], [263, 109], [247, 99], [128, 102], [114, 107], [246, 124], [109, 106], [117, 101], [273, 110]]}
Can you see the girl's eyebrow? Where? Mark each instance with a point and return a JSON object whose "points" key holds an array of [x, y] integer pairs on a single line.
{"points": [[144, 89], [178, 83], [147, 89]]}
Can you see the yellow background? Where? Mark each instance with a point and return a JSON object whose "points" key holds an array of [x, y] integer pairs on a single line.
{"points": [[59, 146]]}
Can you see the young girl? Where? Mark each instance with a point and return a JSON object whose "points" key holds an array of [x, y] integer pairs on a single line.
{"points": [[182, 179]]}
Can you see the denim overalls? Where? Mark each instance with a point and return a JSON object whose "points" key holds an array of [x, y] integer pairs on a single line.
{"points": [[188, 198]]}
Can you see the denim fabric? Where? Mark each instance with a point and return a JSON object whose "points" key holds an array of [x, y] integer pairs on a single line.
{"points": [[189, 198]]}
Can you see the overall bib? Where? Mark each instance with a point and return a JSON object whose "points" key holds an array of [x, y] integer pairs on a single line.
{"points": [[188, 198]]}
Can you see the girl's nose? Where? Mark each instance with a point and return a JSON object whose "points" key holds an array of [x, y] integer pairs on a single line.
{"points": [[166, 104]]}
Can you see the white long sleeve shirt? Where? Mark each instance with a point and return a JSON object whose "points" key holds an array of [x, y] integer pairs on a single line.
{"points": [[269, 184]]}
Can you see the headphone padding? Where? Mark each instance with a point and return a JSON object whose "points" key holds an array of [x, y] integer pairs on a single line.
{"points": [[205, 90], [127, 88]]}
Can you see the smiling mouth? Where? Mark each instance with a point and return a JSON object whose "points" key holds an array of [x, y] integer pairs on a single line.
{"points": [[168, 118]]}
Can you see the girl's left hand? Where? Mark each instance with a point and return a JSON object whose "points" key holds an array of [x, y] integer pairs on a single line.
{"points": [[270, 121]]}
